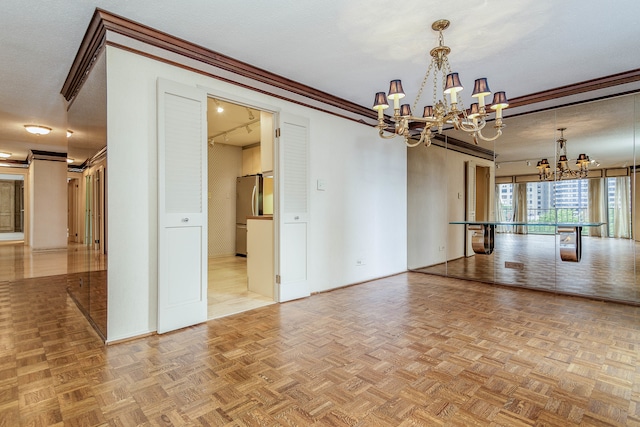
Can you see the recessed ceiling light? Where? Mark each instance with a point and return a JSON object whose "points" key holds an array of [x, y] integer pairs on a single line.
{"points": [[37, 129], [4, 155], [69, 133]]}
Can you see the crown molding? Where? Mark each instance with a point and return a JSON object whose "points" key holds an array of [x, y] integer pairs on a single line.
{"points": [[104, 22]]}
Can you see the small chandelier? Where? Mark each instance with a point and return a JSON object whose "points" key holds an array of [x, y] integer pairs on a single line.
{"points": [[441, 112], [562, 167]]}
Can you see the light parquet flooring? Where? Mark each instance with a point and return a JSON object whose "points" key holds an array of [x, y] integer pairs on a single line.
{"points": [[607, 269], [408, 350]]}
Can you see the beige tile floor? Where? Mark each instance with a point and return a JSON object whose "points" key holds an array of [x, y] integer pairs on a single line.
{"points": [[228, 293]]}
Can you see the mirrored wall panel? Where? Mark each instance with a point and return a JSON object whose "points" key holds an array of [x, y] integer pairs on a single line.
{"points": [[87, 193], [554, 210]]}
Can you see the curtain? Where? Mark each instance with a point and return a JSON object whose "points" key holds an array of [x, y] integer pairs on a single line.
{"points": [[499, 211], [597, 207], [520, 207], [622, 208]]}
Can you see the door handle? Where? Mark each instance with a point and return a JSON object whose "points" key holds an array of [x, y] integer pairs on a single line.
{"points": [[254, 202], [185, 220]]}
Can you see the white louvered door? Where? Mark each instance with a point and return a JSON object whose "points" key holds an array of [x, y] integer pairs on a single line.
{"points": [[182, 207], [293, 153]]}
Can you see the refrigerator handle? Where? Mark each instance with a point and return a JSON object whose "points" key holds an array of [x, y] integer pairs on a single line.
{"points": [[253, 201]]}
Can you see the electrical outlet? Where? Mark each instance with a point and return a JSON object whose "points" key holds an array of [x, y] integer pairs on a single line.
{"points": [[360, 261]]}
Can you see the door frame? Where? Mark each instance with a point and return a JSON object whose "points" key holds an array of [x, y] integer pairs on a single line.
{"points": [[275, 111]]}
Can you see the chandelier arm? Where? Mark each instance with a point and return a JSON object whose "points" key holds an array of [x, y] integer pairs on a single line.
{"points": [[493, 138], [472, 128], [406, 142], [426, 134], [383, 136]]}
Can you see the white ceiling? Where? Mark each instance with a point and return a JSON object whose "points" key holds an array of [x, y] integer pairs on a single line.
{"points": [[348, 49]]}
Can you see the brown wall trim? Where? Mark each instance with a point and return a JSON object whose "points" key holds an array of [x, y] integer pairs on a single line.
{"points": [[460, 146], [91, 43], [103, 21], [576, 88]]}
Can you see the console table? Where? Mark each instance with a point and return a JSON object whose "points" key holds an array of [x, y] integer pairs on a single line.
{"points": [[483, 237]]}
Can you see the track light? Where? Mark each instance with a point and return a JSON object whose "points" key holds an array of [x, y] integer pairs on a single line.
{"points": [[249, 130], [251, 116], [219, 108]]}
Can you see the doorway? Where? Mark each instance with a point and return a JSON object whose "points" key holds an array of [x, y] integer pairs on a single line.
{"points": [[11, 207], [237, 145]]}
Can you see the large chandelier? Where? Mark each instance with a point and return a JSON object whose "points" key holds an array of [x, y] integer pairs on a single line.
{"points": [[562, 167], [441, 112]]}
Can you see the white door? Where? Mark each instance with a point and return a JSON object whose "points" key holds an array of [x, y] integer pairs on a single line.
{"points": [[293, 207], [182, 207]]}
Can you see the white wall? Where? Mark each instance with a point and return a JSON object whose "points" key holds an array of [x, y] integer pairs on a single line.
{"points": [[48, 199], [427, 205], [436, 196], [360, 215]]}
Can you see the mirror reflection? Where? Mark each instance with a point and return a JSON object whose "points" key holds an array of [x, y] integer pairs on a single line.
{"points": [[587, 187], [11, 207], [87, 192]]}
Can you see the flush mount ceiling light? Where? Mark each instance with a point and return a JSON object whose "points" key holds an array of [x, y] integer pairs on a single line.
{"points": [[69, 133], [70, 160], [441, 112], [37, 129], [562, 166], [4, 155]]}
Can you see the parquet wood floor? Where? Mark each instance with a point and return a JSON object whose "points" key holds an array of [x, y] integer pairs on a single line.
{"points": [[607, 269], [408, 350]]}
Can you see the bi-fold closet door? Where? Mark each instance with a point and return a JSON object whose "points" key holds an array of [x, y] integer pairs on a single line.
{"points": [[182, 206]]}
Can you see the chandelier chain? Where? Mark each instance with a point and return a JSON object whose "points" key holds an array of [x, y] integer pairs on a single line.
{"points": [[424, 83]]}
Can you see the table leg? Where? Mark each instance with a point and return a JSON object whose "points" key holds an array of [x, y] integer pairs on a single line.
{"points": [[482, 240], [570, 243]]}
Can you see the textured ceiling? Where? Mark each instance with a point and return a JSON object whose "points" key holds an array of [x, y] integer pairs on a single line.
{"points": [[348, 49]]}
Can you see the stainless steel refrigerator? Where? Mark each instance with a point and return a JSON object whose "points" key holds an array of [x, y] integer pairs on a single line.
{"points": [[248, 203]]}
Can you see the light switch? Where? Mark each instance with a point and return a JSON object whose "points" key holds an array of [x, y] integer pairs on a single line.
{"points": [[321, 185]]}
